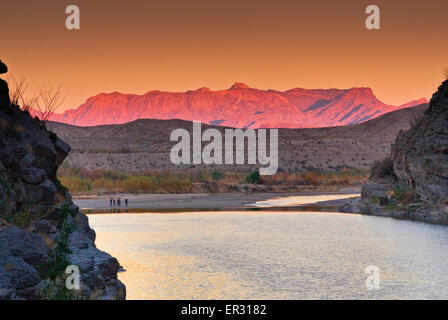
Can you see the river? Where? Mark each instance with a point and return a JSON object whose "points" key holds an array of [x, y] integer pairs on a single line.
{"points": [[274, 255]]}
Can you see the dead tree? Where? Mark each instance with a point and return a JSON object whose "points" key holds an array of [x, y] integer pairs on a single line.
{"points": [[18, 94], [49, 99]]}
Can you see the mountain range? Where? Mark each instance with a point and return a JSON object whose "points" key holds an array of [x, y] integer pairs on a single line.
{"points": [[239, 106]]}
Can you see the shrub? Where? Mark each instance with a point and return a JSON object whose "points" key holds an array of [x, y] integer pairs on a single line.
{"points": [[59, 261], [403, 194], [217, 175], [254, 177], [312, 178], [382, 169], [125, 150]]}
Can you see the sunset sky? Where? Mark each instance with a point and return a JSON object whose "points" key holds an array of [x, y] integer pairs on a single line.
{"points": [[177, 45]]}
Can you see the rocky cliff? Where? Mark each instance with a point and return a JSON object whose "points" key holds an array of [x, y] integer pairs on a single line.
{"points": [[413, 182], [41, 230]]}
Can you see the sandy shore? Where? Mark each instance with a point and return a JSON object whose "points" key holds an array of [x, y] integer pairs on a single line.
{"points": [[191, 201]]}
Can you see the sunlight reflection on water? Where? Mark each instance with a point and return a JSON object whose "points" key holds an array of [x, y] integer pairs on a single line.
{"points": [[302, 199]]}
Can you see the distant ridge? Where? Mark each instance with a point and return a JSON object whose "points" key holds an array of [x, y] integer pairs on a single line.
{"points": [[144, 144], [239, 106]]}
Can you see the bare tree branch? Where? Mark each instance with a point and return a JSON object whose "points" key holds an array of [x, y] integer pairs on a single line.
{"points": [[17, 89], [49, 99], [18, 94]]}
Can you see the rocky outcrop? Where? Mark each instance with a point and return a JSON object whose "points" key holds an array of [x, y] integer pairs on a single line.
{"points": [[420, 155], [413, 183], [41, 230], [3, 67], [4, 91]]}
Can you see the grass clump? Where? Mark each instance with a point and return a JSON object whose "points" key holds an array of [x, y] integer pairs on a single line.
{"points": [[57, 290], [402, 198], [83, 181], [318, 178]]}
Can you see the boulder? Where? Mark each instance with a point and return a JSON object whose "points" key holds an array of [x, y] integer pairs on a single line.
{"points": [[3, 67], [42, 226], [20, 243], [351, 206], [33, 175], [4, 90], [4, 94]]}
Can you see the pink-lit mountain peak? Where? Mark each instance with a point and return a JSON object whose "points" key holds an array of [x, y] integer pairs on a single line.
{"points": [[238, 106], [239, 86]]}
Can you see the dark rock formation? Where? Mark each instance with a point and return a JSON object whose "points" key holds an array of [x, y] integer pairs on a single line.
{"points": [[41, 230], [415, 180], [4, 91], [3, 67]]}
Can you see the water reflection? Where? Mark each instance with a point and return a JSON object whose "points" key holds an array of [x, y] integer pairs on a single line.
{"points": [[110, 211], [274, 255], [310, 208]]}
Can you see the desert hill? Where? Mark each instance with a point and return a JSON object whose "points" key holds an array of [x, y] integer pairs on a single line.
{"points": [[145, 144]]}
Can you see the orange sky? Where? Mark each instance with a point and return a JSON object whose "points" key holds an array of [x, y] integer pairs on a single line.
{"points": [[175, 45]]}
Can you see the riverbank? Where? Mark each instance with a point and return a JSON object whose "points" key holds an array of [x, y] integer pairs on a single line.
{"points": [[390, 208], [206, 200]]}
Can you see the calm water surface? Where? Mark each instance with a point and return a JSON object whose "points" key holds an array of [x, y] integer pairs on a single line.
{"points": [[274, 255]]}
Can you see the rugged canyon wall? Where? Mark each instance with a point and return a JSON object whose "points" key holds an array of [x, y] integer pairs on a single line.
{"points": [[413, 182], [41, 230]]}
